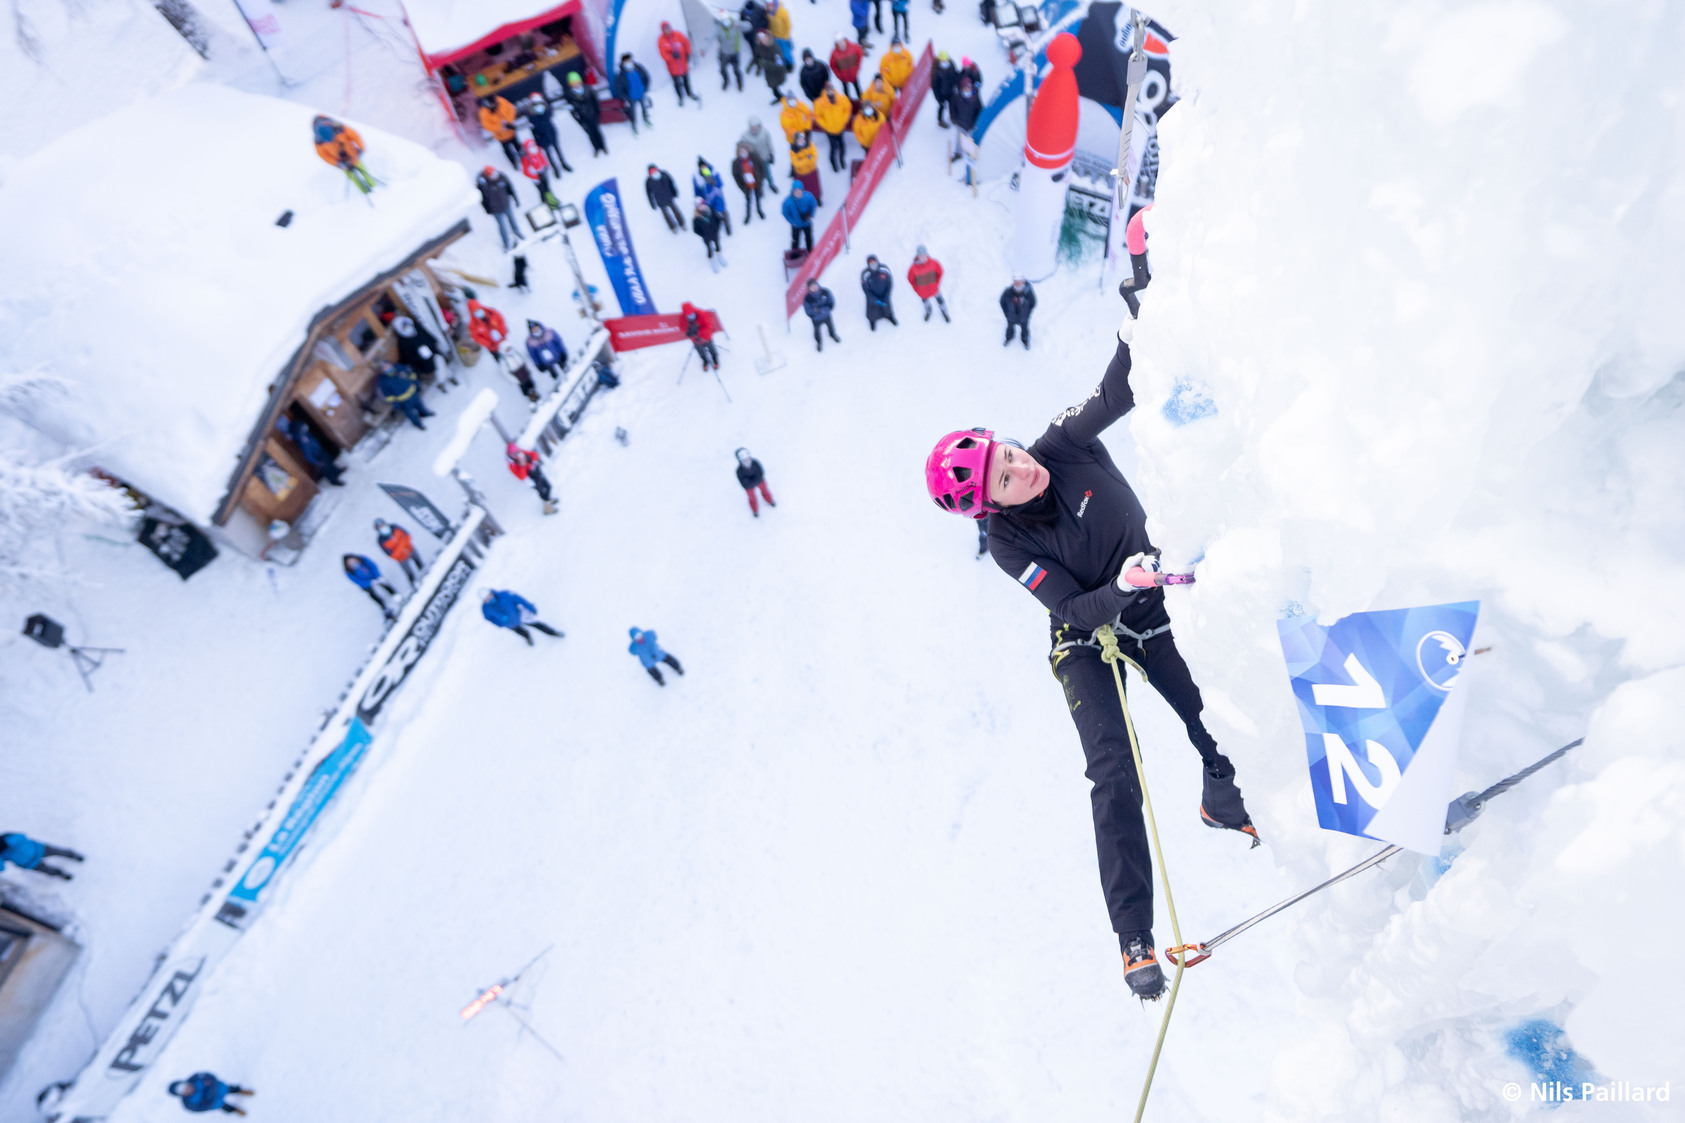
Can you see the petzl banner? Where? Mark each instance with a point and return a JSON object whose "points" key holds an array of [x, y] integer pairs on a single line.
{"points": [[607, 217], [1378, 700]]}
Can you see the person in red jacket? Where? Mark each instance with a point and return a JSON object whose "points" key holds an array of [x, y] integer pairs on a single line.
{"points": [[845, 64], [675, 52], [485, 325], [925, 275], [398, 546], [525, 465], [697, 326], [536, 167]]}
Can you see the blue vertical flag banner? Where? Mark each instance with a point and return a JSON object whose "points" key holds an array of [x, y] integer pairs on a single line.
{"points": [[607, 217], [1377, 697]]}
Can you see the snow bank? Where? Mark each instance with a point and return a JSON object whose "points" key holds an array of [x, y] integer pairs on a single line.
{"points": [[145, 265]]}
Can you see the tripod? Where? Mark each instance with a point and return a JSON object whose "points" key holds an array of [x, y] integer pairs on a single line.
{"points": [[49, 633]]}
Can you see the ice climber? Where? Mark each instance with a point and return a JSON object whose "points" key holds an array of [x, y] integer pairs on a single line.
{"points": [[650, 654], [1065, 524]]}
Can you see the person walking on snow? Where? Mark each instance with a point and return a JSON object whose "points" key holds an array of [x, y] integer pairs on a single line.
{"points": [[699, 328], [396, 543], [749, 173], [497, 117], [28, 854], [707, 186], [729, 44], [798, 212], [536, 167], [831, 113], [876, 283], [511, 610], [925, 276], [663, 195], [759, 138], [813, 75], [497, 198], [340, 145], [542, 122], [397, 384], [846, 58], [675, 52], [750, 477], [204, 1092], [546, 349], [818, 303], [587, 111], [363, 573], [1064, 523], [525, 465], [650, 654], [1018, 300], [631, 85], [486, 325], [804, 167], [706, 224]]}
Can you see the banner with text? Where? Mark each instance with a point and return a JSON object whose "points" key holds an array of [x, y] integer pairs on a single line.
{"points": [[1377, 698], [607, 218], [630, 333]]}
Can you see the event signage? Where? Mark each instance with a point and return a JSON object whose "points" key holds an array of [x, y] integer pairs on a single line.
{"points": [[415, 643], [630, 333], [1377, 697], [607, 218], [421, 509]]}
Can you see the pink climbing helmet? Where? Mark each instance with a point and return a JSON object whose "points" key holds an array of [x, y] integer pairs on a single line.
{"points": [[957, 471]]}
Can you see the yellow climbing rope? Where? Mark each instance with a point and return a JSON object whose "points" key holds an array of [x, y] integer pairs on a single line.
{"points": [[1110, 652]]}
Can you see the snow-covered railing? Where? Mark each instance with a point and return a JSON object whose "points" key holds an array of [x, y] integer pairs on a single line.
{"points": [[306, 791], [559, 412]]}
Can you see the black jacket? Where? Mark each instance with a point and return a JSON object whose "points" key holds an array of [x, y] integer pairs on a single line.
{"points": [[496, 192], [660, 189], [965, 110], [756, 167], [818, 304], [944, 80], [1018, 305], [876, 284], [751, 474], [754, 15], [706, 224], [772, 62], [543, 125], [409, 350], [813, 77], [975, 75], [1071, 564], [587, 110], [618, 86]]}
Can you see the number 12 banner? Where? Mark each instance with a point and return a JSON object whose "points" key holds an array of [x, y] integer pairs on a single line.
{"points": [[1382, 716]]}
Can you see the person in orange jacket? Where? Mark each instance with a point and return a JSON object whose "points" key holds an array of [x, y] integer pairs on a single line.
{"points": [[831, 112], [486, 325], [866, 125], [880, 95], [338, 144], [400, 547], [896, 66], [497, 117], [925, 277], [525, 465], [675, 52], [795, 117]]}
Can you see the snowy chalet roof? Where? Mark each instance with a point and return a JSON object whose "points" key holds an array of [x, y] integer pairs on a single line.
{"points": [[143, 264], [449, 29]]}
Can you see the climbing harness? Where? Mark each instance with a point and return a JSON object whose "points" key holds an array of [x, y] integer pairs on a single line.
{"points": [[1462, 811]]}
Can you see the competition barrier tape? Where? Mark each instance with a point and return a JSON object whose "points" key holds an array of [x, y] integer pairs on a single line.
{"points": [[306, 792]]}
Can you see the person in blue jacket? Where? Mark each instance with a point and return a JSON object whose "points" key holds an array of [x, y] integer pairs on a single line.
{"points": [[399, 385], [513, 611], [28, 854], [710, 189], [364, 574], [310, 447], [798, 211], [818, 304], [204, 1092], [546, 349], [631, 85], [649, 653]]}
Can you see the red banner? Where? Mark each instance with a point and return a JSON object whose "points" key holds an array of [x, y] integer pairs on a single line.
{"points": [[630, 333], [830, 244]]}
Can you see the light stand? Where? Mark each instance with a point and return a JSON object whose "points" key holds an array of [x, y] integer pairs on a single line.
{"points": [[49, 633], [498, 994], [544, 223]]}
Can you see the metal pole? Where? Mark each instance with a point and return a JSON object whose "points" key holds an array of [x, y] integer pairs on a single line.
{"points": [[1137, 72], [579, 280]]}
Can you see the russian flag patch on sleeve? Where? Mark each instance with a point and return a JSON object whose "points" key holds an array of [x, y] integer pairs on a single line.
{"points": [[1031, 577]]}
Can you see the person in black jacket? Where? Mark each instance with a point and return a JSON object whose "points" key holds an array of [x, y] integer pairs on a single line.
{"points": [[310, 446], [751, 476], [631, 85], [966, 106], [771, 63], [706, 224], [543, 125], [968, 69], [876, 283], [749, 173], [818, 303], [497, 197], [814, 74], [944, 84], [587, 110], [417, 349], [662, 194], [1064, 523], [1018, 300]]}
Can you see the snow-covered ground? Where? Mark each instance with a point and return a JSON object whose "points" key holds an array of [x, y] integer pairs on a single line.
{"points": [[843, 868]]}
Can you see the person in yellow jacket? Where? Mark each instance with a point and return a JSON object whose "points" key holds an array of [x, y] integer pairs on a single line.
{"points": [[831, 112], [497, 117], [880, 95], [778, 26], [795, 117], [866, 124], [896, 66], [804, 164]]}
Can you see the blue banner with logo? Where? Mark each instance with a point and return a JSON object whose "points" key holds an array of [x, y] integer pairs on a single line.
{"points": [[1376, 695], [607, 218], [325, 779]]}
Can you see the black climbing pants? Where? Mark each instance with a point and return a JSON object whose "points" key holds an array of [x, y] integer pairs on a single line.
{"points": [[1120, 831]]}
